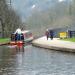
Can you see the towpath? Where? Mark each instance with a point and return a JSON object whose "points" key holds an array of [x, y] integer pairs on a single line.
{"points": [[55, 44]]}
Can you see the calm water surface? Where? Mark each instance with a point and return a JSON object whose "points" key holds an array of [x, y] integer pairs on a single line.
{"points": [[35, 61]]}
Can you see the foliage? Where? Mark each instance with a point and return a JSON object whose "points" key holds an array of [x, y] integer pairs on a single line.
{"points": [[10, 19], [69, 39], [62, 14]]}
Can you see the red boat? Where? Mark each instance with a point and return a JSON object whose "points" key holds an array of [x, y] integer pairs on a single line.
{"points": [[17, 39]]}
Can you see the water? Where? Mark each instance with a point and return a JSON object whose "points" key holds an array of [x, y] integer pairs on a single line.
{"points": [[35, 61]]}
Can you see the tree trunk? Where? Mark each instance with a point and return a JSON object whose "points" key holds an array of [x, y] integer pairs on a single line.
{"points": [[2, 25]]}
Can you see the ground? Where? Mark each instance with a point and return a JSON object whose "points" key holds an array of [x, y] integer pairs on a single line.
{"points": [[69, 39], [4, 40]]}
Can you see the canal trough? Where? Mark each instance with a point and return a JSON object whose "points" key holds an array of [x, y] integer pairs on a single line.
{"points": [[55, 44]]}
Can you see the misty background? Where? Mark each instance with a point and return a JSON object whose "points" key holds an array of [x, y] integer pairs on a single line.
{"points": [[36, 15]]}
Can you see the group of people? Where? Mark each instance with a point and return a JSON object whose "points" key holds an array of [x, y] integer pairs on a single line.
{"points": [[17, 37], [49, 34]]}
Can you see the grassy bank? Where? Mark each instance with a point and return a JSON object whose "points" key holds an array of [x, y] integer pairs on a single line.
{"points": [[69, 39], [4, 40]]}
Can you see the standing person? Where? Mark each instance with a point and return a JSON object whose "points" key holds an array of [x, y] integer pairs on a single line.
{"points": [[51, 34], [47, 34], [22, 37], [12, 37], [16, 36]]}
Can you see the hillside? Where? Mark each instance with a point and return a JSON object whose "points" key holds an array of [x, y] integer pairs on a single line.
{"points": [[60, 15]]}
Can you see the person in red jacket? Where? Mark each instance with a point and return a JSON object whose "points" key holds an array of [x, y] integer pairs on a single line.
{"points": [[47, 34]]}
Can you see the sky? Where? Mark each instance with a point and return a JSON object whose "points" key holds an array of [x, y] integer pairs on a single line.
{"points": [[61, 0], [26, 7]]}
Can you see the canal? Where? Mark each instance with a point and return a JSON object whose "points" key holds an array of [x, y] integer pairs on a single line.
{"points": [[35, 61]]}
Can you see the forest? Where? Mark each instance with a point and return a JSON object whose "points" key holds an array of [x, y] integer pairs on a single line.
{"points": [[62, 14], [9, 19]]}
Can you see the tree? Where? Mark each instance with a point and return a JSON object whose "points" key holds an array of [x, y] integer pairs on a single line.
{"points": [[10, 20]]}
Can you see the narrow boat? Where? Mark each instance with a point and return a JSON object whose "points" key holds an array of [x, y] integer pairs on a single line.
{"points": [[17, 39]]}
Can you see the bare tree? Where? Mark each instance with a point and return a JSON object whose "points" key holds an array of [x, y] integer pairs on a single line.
{"points": [[9, 18]]}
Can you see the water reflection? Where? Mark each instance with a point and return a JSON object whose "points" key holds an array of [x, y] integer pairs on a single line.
{"points": [[10, 57], [35, 61]]}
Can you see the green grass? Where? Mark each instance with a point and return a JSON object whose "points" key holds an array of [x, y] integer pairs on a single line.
{"points": [[4, 40], [69, 39]]}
